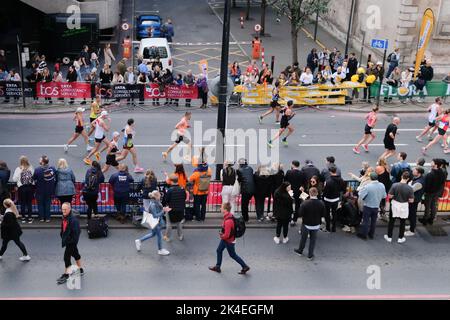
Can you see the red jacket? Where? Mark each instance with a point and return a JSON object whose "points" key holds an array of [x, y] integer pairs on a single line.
{"points": [[227, 233]]}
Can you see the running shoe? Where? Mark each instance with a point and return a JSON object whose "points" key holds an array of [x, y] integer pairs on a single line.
{"points": [[277, 122], [260, 119], [446, 151], [138, 170], [97, 156], [366, 147], [164, 155], [89, 148], [285, 142], [269, 143], [66, 148], [419, 139], [424, 150], [87, 161], [63, 279], [356, 150]]}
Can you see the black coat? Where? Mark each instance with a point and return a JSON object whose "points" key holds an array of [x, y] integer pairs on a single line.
{"points": [[4, 178], [311, 211], [297, 179], [309, 171], [435, 181], [263, 185], [10, 228], [282, 205], [245, 178], [277, 180], [176, 199], [72, 234]]}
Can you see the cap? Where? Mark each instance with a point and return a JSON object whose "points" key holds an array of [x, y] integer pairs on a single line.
{"points": [[104, 113], [411, 69], [115, 134], [80, 110], [373, 176], [380, 63]]}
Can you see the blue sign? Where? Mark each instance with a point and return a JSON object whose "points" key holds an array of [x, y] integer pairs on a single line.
{"points": [[379, 44]]}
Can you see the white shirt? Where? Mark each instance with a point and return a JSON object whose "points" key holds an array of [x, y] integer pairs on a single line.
{"points": [[433, 112], [99, 131], [306, 78]]}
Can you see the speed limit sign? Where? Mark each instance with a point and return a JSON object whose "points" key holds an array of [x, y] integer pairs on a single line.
{"points": [[125, 26], [258, 28]]}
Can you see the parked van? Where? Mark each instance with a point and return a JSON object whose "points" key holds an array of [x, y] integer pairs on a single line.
{"points": [[150, 48]]}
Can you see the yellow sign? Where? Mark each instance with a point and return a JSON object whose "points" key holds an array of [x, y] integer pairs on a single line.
{"points": [[424, 37], [203, 66]]}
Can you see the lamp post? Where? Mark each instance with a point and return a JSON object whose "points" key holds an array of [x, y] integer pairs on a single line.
{"points": [[349, 28]]}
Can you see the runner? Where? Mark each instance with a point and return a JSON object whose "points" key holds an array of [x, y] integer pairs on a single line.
{"points": [[287, 114], [443, 121], [79, 130], [95, 111], [368, 136], [100, 127], [389, 138], [434, 110], [113, 150], [274, 105], [128, 147], [181, 127]]}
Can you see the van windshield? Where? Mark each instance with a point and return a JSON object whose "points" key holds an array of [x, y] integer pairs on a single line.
{"points": [[153, 52]]}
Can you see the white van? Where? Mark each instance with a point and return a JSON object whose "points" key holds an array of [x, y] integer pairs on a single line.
{"points": [[149, 48]]}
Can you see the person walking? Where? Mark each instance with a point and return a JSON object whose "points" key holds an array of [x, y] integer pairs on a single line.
{"points": [[23, 177], [263, 183], [201, 178], [297, 180], [157, 210], [389, 138], [11, 230], [417, 183], [282, 210], [175, 199], [393, 59], [311, 211], [121, 184], [228, 176], [45, 180], [93, 178], [70, 235], [5, 173], [228, 241], [371, 194], [401, 194], [65, 182], [333, 189], [247, 184]]}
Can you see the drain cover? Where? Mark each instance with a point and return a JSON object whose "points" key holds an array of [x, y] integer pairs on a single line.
{"points": [[436, 231]]}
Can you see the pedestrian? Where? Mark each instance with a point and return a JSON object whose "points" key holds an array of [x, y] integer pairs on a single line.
{"points": [[181, 127], [282, 210], [148, 184], [389, 138], [400, 167], [371, 194], [175, 199], [101, 125], [11, 230], [180, 173], [369, 136], [201, 178], [383, 171], [108, 55], [333, 189], [23, 177], [418, 184], [169, 30], [228, 176], [394, 59], [44, 178], [443, 125], [129, 133], [330, 162], [93, 178], [401, 194], [70, 235], [112, 152], [65, 182], [188, 82], [434, 111], [352, 66], [263, 185], [274, 104], [297, 180], [157, 210], [287, 115], [235, 73], [312, 60], [79, 130], [311, 211], [433, 189], [228, 241], [121, 185], [247, 186], [71, 77], [5, 173], [309, 170], [202, 85]]}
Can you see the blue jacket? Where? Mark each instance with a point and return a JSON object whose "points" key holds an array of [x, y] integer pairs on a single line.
{"points": [[4, 178], [372, 194], [45, 180], [397, 168], [156, 209], [100, 179], [65, 182], [120, 182]]}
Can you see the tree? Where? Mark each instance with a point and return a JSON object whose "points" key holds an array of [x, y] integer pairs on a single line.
{"points": [[298, 12]]}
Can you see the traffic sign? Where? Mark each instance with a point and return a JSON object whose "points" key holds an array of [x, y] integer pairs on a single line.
{"points": [[125, 26], [379, 44], [258, 28]]}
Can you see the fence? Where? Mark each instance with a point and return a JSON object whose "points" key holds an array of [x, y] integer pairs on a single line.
{"points": [[106, 198], [431, 89]]}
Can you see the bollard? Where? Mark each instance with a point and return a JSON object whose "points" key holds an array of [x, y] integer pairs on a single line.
{"points": [[242, 21]]}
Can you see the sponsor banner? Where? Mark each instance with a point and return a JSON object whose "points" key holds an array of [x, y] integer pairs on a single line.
{"points": [[432, 89], [444, 201], [126, 91], [13, 89], [426, 30], [265, 88], [170, 92], [77, 90]]}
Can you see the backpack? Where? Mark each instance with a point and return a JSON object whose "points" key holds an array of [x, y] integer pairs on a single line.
{"points": [[49, 175], [26, 177], [398, 177], [239, 227], [91, 182], [389, 58], [204, 182]]}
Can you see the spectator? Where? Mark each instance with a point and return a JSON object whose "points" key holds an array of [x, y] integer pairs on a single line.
{"points": [[65, 182], [327, 74], [426, 73], [277, 175], [263, 184], [11, 230], [148, 184], [282, 210], [267, 77], [293, 80], [167, 80], [420, 162], [202, 84], [247, 184], [401, 166], [405, 82], [338, 61], [181, 174], [157, 211], [42, 64], [109, 57], [117, 78], [417, 183], [122, 66], [84, 56], [282, 80], [371, 194], [228, 241], [176, 201], [130, 76], [71, 77], [23, 177], [142, 79], [168, 30], [311, 211], [312, 60], [334, 187], [325, 174], [94, 177], [94, 60], [332, 59], [352, 66], [77, 66], [3, 65], [401, 194], [324, 59], [297, 179], [45, 180], [45, 76], [106, 75], [178, 81], [309, 170], [383, 172], [306, 79], [5, 173], [393, 81], [120, 183], [188, 81], [142, 68], [394, 60], [235, 72], [314, 182], [228, 176], [201, 179], [252, 67], [338, 76]]}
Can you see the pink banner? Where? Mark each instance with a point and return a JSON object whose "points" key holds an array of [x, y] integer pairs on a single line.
{"points": [[75, 90], [170, 92]]}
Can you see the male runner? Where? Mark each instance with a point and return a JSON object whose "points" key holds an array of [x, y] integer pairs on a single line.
{"points": [[101, 127], [287, 114], [113, 150], [389, 138], [274, 105], [443, 125], [181, 127], [128, 147], [79, 130], [434, 110], [368, 136]]}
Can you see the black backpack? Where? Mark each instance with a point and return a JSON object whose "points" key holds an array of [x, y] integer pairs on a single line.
{"points": [[91, 182], [389, 58], [239, 227]]}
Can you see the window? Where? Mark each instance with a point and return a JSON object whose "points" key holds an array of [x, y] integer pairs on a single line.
{"points": [[153, 52]]}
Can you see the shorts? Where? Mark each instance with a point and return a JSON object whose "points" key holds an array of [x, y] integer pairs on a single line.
{"points": [[92, 119], [127, 147], [182, 138], [99, 140], [441, 132], [432, 124], [274, 104], [284, 124], [367, 129], [389, 145], [79, 129], [111, 160]]}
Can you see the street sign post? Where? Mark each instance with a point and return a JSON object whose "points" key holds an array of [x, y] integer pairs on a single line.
{"points": [[380, 44]]}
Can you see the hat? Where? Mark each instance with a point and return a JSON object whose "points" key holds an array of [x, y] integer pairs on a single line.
{"points": [[373, 176], [115, 134], [411, 69], [380, 63], [308, 162], [104, 113], [79, 109]]}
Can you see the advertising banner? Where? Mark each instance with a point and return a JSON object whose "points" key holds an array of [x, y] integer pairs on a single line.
{"points": [[153, 91], [432, 89], [76, 90], [13, 89], [424, 37]]}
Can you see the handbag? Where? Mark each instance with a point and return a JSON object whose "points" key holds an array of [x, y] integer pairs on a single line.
{"points": [[236, 188], [148, 221]]}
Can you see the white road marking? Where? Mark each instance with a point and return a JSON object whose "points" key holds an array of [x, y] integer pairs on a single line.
{"points": [[345, 145], [405, 130], [36, 146]]}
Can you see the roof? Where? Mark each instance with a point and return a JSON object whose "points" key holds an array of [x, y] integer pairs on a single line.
{"points": [[158, 42]]}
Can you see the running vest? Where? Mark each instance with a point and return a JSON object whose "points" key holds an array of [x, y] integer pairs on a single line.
{"points": [[275, 95], [116, 147], [444, 123], [433, 113], [99, 131], [79, 122], [127, 141]]}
